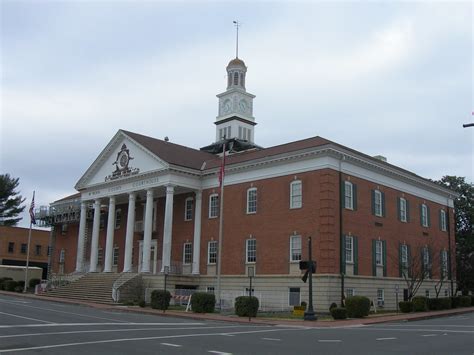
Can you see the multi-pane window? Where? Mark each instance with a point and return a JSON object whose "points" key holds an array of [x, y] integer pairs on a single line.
{"points": [[118, 218], [404, 257], [442, 220], [350, 292], [100, 256], [444, 264], [188, 209], [380, 297], [115, 256], [424, 215], [187, 253], [252, 200], [244, 133], [11, 247], [427, 293], [348, 195], [378, 201], [37, 250], [224, 132], [212, 252], [379, 253], [23, 248], [295, 248], [251, 250], [349, 249], [62, 256], [210, 289], [403, 210], [213, 206], [294, 296], [426, 260], [296, 194]]}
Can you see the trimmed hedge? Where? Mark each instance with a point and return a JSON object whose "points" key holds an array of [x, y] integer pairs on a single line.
{"points": [[454, 301], [203, 302], [338, 313], [9, 285], [436, 304], [34, 282], [406, 306], [246, 306], [464, 301], [419, 303], [357, 306], [472, 300], [333, 305], [160, 299], [2, 281]]}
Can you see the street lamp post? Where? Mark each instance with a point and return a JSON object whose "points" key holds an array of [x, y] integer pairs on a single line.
{"points": [[166, 271], [309, 314], [251, 272]]}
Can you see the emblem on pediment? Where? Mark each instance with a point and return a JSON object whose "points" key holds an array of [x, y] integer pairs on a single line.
{"points": [[122, 168]]}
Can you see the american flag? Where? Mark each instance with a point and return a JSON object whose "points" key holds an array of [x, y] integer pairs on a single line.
{"points": [[32, 209], [222, 169]]}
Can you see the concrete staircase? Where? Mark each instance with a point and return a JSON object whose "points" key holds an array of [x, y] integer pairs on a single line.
{"points": [[93, 287]]}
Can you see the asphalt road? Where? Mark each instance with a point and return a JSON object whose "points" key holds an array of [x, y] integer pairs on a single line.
{"points": [[35, 326]]}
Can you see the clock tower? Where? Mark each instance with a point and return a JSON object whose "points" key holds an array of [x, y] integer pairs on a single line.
{"points": [[235, 118]]}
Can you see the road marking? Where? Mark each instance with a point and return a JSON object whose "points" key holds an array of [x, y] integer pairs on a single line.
{"points": [[330, 341], [222, 353], [382, 339], [227, 335], [414, 330], [17, 316], [429, 335], [272, 339], [428, 325], [87, 324], [140, 339], [169, 344]]}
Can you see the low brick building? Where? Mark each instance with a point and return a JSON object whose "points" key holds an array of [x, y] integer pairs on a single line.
{"points": [[148, 205]]}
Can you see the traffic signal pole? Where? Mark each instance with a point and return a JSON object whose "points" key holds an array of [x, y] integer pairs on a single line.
{"points": [[309, 314]]}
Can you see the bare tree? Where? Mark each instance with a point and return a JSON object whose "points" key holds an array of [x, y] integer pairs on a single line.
{"points": [[416, 268]]}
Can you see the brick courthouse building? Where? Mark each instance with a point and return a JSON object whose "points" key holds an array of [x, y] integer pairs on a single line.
{"points": [[147, 204]]}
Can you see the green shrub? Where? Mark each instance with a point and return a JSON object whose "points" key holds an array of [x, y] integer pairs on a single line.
{"points": [[33, 282], [9, 285], [464, 301], [142, 303], [338, 312], [203, 302], [454, 301], [406, 306], [357, 306], [160, 299], [246, 306], [21, 283], [419, 303], [19, 289], [436, 304], [333, 305], [2, 282], [472, 300], [304, 304]]}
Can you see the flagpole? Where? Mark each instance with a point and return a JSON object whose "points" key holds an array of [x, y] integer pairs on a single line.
{"points": [[29, 242], [221, 224]]}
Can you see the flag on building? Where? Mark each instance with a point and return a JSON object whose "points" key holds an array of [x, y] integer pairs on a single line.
{"points": [[32, 210], [222, 169]]}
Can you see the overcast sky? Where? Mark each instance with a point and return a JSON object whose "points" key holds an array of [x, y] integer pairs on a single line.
{"points": [[389, 78]]}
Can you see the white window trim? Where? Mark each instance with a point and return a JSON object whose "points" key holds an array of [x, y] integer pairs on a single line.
{"points": [[404, 257], [424, 215], [379, 244], [247, 241], [378, 195], [348, 186], [248, 200], [118, 221], [289, 296], [291, 248], [353, 291], [292, 196], [188, 199], [403, 210], [444, 263], [351, 239], [210, 205], [190, 254], [444, 227], [209, 252], [115, 256], [380, 300]]}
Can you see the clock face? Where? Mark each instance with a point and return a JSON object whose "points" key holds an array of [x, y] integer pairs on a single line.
{"points": [[243, 105], [226, 106]]}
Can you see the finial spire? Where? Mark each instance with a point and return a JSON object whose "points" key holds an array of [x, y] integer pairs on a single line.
{"points": [[237, 25]]}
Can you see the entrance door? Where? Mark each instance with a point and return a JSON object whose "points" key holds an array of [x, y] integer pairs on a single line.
{"points": [[153, 256]]}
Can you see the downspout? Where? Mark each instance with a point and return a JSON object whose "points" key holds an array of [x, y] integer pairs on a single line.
{"points": [[341, 266]]}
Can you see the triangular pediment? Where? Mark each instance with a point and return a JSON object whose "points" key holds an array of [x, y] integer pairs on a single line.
{"points": [[123, 158]]}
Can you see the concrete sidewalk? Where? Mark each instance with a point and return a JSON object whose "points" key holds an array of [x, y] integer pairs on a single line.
{"points": [[373, 319]]}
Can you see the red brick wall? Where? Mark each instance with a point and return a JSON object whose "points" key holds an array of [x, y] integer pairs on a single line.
{"points": [[19, 236]]}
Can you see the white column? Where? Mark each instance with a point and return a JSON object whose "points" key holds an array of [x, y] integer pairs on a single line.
{"points": [[197, 233], [109, 244], [168, 228], [147, 231], [81, 238], [127, 264], [95, 237]]}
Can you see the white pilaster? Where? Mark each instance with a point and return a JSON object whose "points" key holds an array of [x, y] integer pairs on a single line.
{"points": [[109, 244], [81, 238], [147, 231], [197, 233], [127, 264], [168, 227], [95, 237]]}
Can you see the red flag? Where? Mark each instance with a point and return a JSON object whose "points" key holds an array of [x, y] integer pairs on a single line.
{"points": [[222, 169]]}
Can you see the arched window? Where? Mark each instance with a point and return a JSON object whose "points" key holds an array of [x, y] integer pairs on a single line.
{"points": [[236, 78]]}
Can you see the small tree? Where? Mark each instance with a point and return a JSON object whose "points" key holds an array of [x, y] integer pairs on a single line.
{"points": [[10, 201], [417, 269]]}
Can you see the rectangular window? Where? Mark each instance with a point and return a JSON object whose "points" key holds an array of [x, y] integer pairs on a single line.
{"points": [[380, 297], [100, 256], [210, 289], [23, 248], [442, 222], [348, 195], [295, 248], [426, 261], [118, 218], [62, 256], [11, 247], [349, 249], [403, 210], [213, 206], [444, 264], [294, 296], [251, 250], [115, 256], [187, 253], [37, 250], [50, 249], [224, 132], [252, 200], [446, 292], [404, 258], [379, 253], [296, 194], [188, 209], [212, 252], [378, 207], [427, 293], [350, 292], [424, 215]]}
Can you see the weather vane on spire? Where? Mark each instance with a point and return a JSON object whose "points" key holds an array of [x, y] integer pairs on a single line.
{"points": [[237, 25]]}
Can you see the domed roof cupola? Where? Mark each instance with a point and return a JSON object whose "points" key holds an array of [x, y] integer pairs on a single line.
{"points": [[236, 71]]}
